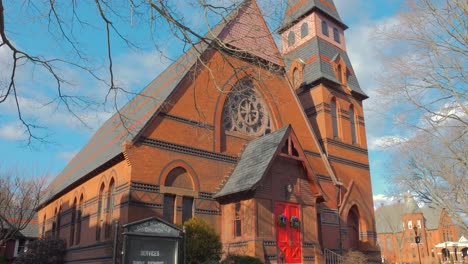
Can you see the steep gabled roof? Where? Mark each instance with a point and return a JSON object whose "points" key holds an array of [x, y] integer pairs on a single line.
{"points": [[389, 219], [431, 217], [254, 163], [297, 9], [106, 144]]}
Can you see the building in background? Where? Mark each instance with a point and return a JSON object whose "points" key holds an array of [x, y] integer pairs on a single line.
{"points": [[396, 234], [19, 243], [267, 146]]}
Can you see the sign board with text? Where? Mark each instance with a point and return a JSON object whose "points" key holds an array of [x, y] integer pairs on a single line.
{"points": [[152, 241]]}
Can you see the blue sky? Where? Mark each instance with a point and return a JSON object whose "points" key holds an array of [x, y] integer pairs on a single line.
{"points": [[135, 67]]}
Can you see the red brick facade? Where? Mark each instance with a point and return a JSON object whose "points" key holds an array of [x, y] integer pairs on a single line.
{"points": [[184, 155]]}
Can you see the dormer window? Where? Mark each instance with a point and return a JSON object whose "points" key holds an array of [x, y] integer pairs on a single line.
{"points": [[325, 28], [336, 35], [304, 30], [291, 38]]}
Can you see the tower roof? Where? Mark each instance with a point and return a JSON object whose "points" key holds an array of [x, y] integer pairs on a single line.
{"points": [[296, 9]]}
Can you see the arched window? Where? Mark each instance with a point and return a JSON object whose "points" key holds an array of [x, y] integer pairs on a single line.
{"points": [[304, 30], [110, 208], [43, 226], [100, 218], [59, 220], [79, 218], [291, 38], [339, 73], [336, 35], [245, 111], [334, 113], [352, 121], [325, 28], [296, 79], [72, 223], [54, 223], [180, 179]]}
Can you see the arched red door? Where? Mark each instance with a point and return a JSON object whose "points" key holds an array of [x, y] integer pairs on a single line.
{"points": [[288, 238]]}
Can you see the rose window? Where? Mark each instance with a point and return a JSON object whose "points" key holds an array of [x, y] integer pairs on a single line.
{"points": [[245, 111]]}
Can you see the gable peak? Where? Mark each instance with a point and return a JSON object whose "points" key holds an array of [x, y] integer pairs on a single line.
{"points": [[298, 9]]}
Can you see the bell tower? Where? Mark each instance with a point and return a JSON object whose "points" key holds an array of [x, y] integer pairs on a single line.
{"points": [[319, 70], [317, 64]]}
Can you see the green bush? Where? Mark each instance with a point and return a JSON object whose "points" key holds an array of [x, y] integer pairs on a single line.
{"points": [[241, 259], [43, 251], [202, 243]]}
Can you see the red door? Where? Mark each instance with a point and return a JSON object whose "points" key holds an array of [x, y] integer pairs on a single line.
{"points": [[288, 238]]}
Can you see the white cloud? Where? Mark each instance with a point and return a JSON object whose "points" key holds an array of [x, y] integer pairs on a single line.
{"points": [[13, 131], [383, 200], [381, 143], [67, 155]]}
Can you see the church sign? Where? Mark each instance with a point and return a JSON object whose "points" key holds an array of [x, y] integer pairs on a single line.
{"points": [[153, 241]]}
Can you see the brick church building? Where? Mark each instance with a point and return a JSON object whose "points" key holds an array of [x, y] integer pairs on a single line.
{"points": [[241, 134]]}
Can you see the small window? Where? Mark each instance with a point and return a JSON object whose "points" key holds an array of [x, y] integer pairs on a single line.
{"points": [[325, 28], [100, 218], [79, 220], [187, 207], [410, 224], [352, 121], [304, 30], [336, 35], [419, 224], [296, 79], [291, 39], [237, 220], [389, 243], [168, 208]]}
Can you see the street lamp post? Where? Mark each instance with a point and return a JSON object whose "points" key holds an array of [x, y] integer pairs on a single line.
{"points": [[417, 239]]}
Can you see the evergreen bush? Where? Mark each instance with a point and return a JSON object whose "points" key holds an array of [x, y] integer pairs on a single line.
{"points": [[43, 251], [202, 243]]}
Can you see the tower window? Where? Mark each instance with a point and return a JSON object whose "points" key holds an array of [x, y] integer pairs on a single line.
{"points": [[291, 39], [304, 30], [340, 73], [325, 28], [336, 35], [352, 120], [334, 112]]}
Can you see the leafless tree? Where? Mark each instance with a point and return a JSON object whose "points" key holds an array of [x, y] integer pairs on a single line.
{"points": [[19, 198], [117, 23], [425, 83]]}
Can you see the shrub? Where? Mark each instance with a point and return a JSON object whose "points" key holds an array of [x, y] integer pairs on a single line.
{"points": [[43, 251], [355, 257], [202, 242], [241, 259]]}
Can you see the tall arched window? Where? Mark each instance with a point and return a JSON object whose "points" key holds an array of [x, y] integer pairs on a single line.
{"points": [[72, 223], [43, 226], [100, 217], [339, 74], [325, 28], [352, 121], [54, 224], [334, 113], [291, 39], [110, 208], [59, 220], [79, 219], [304, 30]]}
